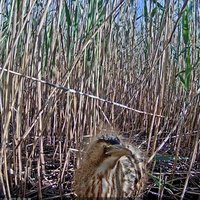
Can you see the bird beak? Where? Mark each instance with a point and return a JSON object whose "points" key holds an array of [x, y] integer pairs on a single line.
{"points": [[117, 150]]}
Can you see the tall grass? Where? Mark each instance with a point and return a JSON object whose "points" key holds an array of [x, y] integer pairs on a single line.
{"points": [[144, 57]]}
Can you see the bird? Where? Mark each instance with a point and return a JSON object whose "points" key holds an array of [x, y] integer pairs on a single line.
{"points": [[110, 168]]}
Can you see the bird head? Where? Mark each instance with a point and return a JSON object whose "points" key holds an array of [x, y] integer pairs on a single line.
{"points": [[106, 150], [112, 146]]}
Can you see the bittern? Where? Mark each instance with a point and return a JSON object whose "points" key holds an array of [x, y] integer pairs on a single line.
{"points": [[110, 169]]}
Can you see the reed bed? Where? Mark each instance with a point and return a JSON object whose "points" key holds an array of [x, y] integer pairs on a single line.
{"points": [[67, 66]]}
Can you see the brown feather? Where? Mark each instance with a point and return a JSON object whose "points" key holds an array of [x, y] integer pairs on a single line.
{"points": [[110, 168]]}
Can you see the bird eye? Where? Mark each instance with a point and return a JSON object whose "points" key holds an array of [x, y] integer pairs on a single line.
{"points": [[105, 149]]}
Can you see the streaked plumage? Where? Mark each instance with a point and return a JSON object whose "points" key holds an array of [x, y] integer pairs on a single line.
{"points": [[110, 169]]}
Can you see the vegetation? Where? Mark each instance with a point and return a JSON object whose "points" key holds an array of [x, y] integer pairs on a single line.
{"points": [[67, 65]]}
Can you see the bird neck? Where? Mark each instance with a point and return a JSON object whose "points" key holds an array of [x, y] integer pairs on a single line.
{"points": [[107, 164]]}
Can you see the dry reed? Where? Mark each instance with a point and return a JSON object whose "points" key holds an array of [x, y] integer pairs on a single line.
{"points": [[136, 65]]}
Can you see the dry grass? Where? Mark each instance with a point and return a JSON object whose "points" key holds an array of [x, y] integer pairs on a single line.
{"points": [[65, 63]]}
